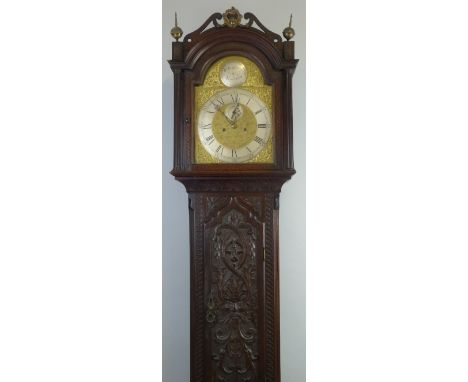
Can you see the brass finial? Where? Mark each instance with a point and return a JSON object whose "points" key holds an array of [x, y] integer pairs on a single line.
{"points": [[232, 17], [289, 32], [176, 32]]}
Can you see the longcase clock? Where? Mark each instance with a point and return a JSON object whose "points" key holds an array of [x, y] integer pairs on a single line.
{"points": [[233, 151]]}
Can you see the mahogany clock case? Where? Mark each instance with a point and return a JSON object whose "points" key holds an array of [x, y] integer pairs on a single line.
{"points": [[234, 203]]}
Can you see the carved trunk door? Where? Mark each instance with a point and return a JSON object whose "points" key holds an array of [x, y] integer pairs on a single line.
{"points": [[233, 288]]}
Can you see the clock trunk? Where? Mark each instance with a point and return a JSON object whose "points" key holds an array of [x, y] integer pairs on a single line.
{"points": [[234, 281]]}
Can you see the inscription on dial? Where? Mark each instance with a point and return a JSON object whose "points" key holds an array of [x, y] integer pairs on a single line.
{"points": [[233, 73]]}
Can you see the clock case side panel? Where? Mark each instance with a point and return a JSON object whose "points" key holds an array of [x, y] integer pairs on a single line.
{"points": [[190, 62]]}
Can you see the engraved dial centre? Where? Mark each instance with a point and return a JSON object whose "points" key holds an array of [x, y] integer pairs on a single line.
{"points": [[234, 130]]}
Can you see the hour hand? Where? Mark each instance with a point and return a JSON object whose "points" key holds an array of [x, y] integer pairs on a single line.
{"points": [[218, 108], [235, 113], [227, 118]]}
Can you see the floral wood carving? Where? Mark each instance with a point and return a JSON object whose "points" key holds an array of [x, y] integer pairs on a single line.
{"points": [[228, 240], [215, 203], [232, 241], [256, 203]]}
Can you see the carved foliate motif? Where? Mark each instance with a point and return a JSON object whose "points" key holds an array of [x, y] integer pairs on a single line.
{"points": [[256, 202], [232, 294]]}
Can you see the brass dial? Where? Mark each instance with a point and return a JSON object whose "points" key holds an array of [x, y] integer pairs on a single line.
{"points": [[236, 76], [234, 125]]}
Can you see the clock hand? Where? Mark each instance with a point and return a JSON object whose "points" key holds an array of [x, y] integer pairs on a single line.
{"points": [[236, 112], [228, 119], [218, 108], [233, 115]]}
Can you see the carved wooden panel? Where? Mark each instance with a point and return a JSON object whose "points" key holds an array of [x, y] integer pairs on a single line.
{"points": [[233, 240], [234, 287]]}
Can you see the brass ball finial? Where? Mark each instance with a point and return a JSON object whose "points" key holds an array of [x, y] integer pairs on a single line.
{"points": [[176, 32], [289, 32]]}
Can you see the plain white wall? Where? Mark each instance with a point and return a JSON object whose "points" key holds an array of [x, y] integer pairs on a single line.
{"points": [[275, 16]]}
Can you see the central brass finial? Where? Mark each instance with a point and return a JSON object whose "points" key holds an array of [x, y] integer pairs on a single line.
{"points": [[232, 17]]}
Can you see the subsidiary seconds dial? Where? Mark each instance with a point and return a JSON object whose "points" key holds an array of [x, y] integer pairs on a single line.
{"points": [[234, 125]]}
